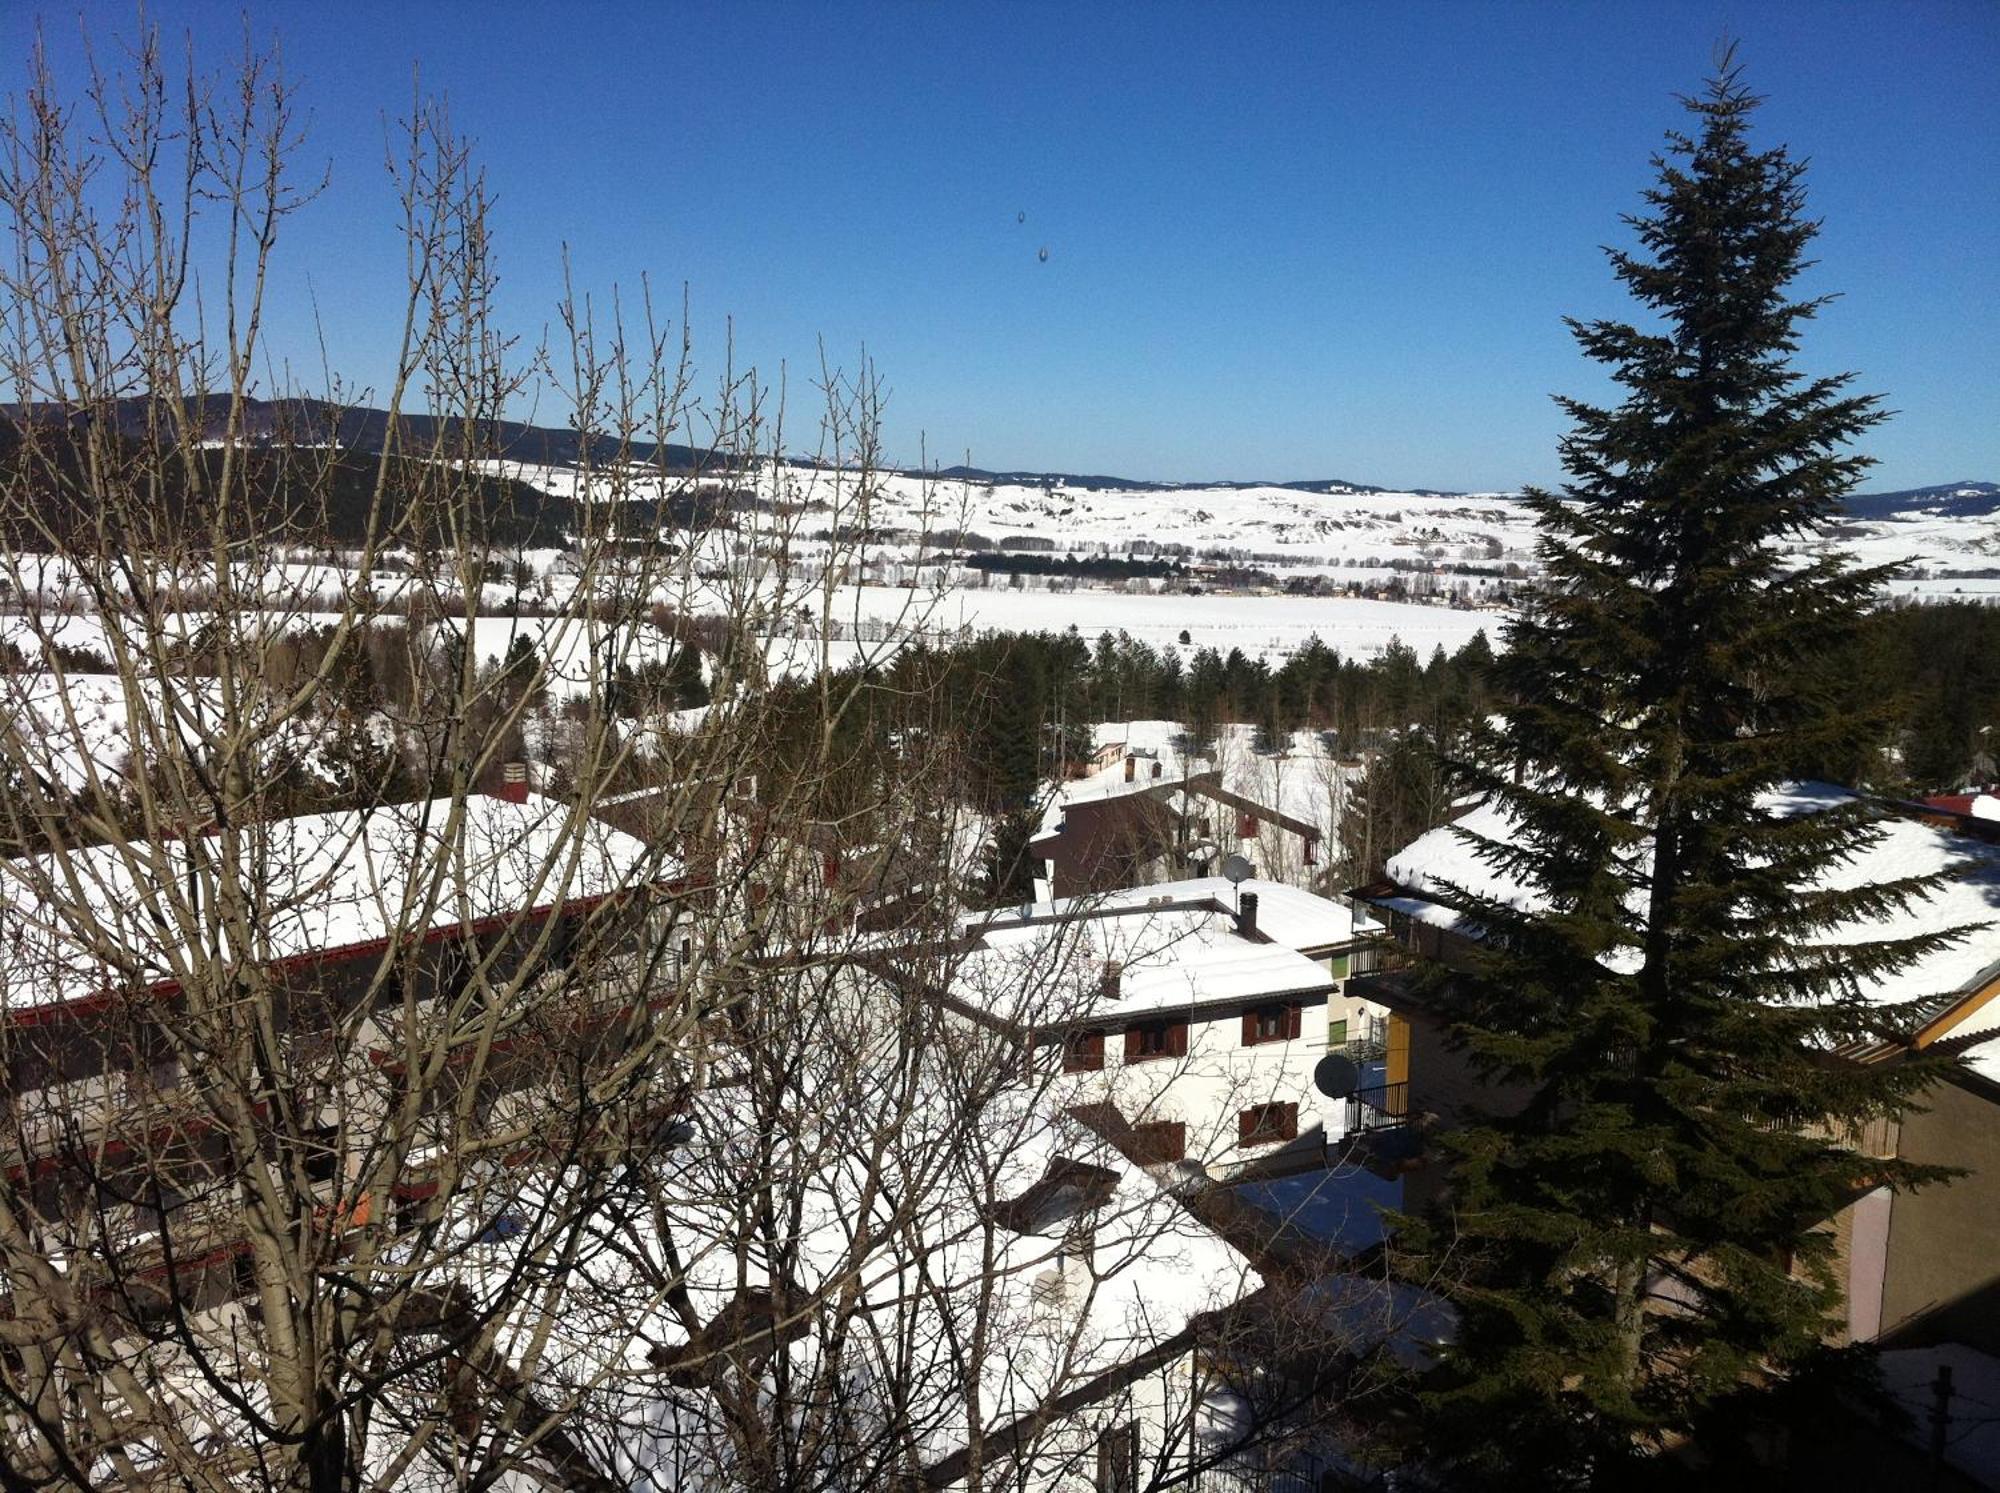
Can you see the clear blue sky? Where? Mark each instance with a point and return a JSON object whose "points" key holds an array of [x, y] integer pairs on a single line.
{"points": [[1326, 240]]}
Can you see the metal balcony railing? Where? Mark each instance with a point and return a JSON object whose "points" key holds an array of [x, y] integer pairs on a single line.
{"points": [[1368, 1042], [1383, 1107]]}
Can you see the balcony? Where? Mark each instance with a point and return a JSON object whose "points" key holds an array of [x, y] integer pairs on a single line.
{"points": [[1369, 1043], [1382, 1107]]}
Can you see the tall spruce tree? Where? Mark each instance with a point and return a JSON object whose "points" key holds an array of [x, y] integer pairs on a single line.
{"points": [[1639, 1240]]}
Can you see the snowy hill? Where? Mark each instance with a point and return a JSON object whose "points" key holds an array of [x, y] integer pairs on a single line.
{"points": [[1947, 500]]}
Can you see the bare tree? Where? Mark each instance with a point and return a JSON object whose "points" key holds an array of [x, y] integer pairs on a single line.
{"points": [[376, 1117]]}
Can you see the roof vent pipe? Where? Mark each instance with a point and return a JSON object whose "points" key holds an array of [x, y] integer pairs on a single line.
{"points": [[1246, 914]]}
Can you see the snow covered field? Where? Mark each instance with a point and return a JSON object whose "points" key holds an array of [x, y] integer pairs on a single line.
{"points": [[1274, 626]]}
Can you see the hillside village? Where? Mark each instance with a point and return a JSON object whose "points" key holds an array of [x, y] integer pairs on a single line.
{"points": [[629, 950]]}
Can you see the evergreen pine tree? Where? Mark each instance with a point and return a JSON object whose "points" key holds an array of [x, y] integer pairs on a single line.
{"points": [[1641, 1235]]}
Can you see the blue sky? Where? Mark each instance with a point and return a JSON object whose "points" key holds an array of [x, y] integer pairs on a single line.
{"points": [[1283, 242]]}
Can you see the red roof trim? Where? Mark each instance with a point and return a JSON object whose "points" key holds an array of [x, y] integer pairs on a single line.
{"points": [[340, 953]]}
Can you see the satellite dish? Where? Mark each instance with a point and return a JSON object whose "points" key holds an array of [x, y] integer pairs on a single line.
{"points": [[1237, 869], [1336, 1076]]}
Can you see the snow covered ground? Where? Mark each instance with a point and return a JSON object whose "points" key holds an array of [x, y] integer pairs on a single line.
{"points": [[1274, 626]]}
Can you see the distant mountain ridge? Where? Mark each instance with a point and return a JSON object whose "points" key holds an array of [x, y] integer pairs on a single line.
{"points": [[1331, 486], [1947, 499], [1961, 499], [365, 429]]}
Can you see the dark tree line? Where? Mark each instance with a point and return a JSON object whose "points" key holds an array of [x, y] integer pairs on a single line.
{"points": [[1914, 692]]}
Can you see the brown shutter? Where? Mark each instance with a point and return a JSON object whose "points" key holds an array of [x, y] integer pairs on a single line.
{"points": [[1156, 1141], [1177, 1039], [1083, 1052], [1294, 1019], [1288, 1122], [1132, 1040], [1250, 1028]]}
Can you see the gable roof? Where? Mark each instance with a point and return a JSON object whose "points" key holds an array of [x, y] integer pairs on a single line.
{"points": [[1173, 953], [323, 883], [1962, 979]]}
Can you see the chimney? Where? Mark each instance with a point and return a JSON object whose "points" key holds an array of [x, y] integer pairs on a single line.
{"points": [[1156, 769], [1246, 914], [1110, 978], [1131, 767], [513, 783]]}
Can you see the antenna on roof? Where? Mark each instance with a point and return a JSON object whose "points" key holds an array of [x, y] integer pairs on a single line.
{"points": [[1236, 870]]}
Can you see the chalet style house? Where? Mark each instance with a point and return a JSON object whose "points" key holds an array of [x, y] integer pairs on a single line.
{"points": [[1922, 1268], [1148, 805], [1132, 825], [353, 933], [1191, 1014]]}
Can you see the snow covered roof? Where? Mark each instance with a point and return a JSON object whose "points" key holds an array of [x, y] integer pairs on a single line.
{"points": [[1171, 955], [1300, 784], [1434, 863], [1149, 1271], [1286, 915], [326, 882], [1983, 1058]]}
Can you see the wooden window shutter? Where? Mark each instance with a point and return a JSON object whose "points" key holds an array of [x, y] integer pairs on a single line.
{"points": [[1083, 1052], [1134, 1037], [1267, 1124], [1156, 1141], [1294, 1021], [1177, 1039], [1250, 1028]]}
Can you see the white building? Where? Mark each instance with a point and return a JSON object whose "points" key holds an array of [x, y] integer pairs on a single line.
{"points": [[1198, 1011]]}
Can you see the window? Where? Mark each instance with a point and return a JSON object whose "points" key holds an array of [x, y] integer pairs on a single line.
{"points": [[1337, 966], [1158, 1141], [1270, 1024], [1336, 1032], [1083, 1052], [1155, 1039], [1246, 826], [1267, 1124], [1118, 1459]]}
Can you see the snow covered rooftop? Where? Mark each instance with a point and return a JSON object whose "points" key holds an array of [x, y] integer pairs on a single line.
{"points": [[1434, 863], [325, 882], [1286, 915], [1150, 1268], [1302, 783], [1173, 949]]}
